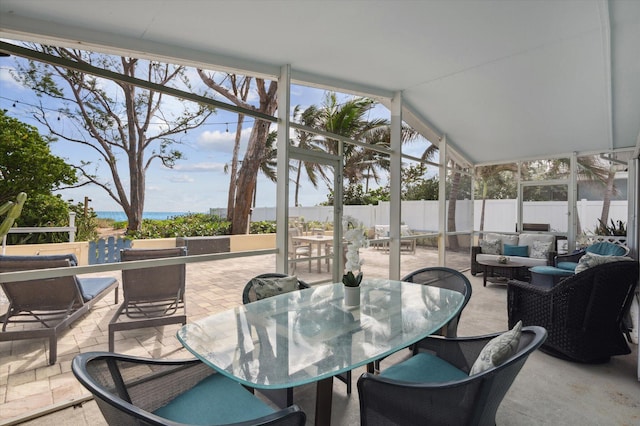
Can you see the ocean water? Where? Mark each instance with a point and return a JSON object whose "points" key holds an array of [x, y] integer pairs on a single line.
{"points": [[120, 216]]}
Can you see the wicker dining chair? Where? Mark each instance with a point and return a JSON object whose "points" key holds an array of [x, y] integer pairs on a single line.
{"points": [[140, 391], [434, 387], [248, 296], [441, 277]]}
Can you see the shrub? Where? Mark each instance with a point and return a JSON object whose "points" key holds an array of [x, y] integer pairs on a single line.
{"points": [[262, 227], [190, 225]]}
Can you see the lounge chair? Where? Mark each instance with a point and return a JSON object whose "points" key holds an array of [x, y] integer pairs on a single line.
{"points": [[153, 297], [52, 303]]}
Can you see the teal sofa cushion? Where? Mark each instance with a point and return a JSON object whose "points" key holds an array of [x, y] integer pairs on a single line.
{"points": [[521, 251], [424, 368], [215, 400]]}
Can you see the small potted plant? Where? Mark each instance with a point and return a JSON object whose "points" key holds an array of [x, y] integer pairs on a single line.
{"points": [[352, 288]]}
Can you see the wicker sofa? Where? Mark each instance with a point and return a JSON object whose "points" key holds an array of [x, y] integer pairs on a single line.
{"points": [[496, 245]]}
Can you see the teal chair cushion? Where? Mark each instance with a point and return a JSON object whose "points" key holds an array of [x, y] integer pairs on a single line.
{"points": [[568, 266], [551, 270], [606, 249], [424, 368], [215, 400]]}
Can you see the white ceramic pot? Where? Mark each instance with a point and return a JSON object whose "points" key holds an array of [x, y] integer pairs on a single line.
{"points": [[351, 296]]}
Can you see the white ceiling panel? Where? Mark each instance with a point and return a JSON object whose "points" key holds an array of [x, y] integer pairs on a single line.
{"points": [[503, 79]]}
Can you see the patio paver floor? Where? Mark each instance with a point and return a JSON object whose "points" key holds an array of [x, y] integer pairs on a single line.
{"points": [[547, 391]]}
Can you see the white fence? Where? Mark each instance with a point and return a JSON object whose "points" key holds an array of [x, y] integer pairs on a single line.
{"points": [[500, 215]]}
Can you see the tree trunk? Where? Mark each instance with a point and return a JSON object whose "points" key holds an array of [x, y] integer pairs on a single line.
{"points": [[451, 212], [298, 175], [606, 201], [233, 181], [484, 204], [248, 175]]}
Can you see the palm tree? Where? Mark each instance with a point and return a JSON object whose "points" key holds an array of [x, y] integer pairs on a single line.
{"points": [[309, 117], [349, 119]]}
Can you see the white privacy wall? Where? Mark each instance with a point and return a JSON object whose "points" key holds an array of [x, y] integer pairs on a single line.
{"points": [[500, 215]]}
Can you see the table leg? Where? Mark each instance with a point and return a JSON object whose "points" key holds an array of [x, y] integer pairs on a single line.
{"points": [[324, 396], [319, 252], [487, 268]]}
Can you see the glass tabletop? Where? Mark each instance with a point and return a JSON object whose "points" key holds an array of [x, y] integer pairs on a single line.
{"points": [[307, 335]]}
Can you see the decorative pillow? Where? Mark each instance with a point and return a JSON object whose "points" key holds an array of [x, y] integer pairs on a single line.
{"points": [[490, 246], [540, 250], [267, 287], [521, 251], [498, 350], [590, 260]]}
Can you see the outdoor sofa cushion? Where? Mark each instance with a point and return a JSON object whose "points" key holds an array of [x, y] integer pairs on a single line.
{"points": [[531, 240], [520, 251]]}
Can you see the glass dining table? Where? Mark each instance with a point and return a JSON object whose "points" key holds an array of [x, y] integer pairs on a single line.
{"points": [[310, 336]]}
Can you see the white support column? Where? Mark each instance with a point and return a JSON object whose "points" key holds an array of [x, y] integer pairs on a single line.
{"points": [[395, 182], [442, 201], [282, 184]]}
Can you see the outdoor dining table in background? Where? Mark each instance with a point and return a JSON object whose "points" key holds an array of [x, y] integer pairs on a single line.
{"points": [[309, 335], [320, 241]]}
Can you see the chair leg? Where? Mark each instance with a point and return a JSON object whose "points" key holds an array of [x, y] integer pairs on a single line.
{"points": [[111, 339], [53, 349]]}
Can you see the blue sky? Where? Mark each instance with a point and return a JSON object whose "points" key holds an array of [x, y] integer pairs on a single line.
{"points": [[197, 182]]}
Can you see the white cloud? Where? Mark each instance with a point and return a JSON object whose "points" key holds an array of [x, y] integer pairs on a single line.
{"points": [[6, 80], [198, 167], [183, 178], [222, 141]]}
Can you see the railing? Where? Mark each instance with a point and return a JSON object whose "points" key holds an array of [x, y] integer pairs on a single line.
{"points": [[71, 229]]}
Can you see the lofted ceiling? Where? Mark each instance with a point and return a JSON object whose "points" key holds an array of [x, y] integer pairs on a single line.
{"points": [[503, 80]]}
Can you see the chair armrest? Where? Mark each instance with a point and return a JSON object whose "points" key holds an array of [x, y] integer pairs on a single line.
{"points": [[528, 303], [551, 258], [573, 257]]}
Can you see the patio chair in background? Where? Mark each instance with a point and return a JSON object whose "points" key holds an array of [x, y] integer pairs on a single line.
{"points": [[435, 387], [132, 391], [583, 313], [569, 262], [44, 308], [153, 297], [441, 277], [298, 249]]}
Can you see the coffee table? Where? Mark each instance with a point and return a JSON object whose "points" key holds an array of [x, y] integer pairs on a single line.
{"points": [[493, 268]]}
